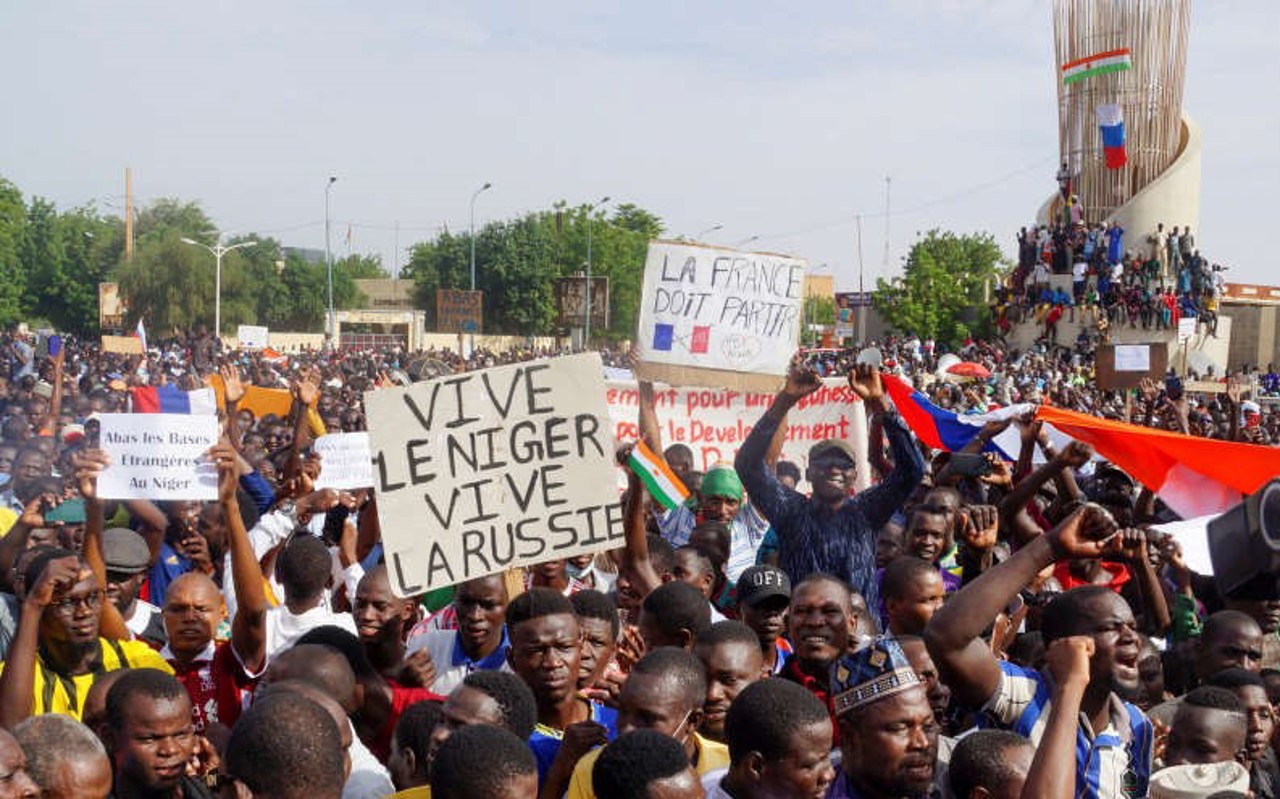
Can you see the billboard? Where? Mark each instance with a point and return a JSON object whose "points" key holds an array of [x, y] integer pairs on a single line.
{"points": [[459, 311], [571, 301]]}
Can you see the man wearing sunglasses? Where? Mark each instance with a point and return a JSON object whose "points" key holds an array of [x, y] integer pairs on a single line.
{"points": [[834, 531]]}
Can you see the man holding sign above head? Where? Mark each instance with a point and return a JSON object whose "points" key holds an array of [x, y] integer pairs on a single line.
{"points": [[833, 531]]}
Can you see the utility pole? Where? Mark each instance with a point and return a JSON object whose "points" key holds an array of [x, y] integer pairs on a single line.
{"points": [[128, 214], [862, 309], [328, 264]]}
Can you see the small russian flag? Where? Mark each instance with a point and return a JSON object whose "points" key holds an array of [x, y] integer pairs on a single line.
{"points": [[141, 332], [171, 399], [943, 429]]}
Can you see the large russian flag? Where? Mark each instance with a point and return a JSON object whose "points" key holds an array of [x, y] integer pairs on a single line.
{"points": [[171, 399], [1111, 123], [1194, 476], [943, 429]]}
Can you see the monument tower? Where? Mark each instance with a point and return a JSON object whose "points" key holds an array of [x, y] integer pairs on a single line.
{"points": [[1131, 155]]}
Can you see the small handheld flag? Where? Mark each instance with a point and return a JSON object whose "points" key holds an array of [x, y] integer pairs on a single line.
{"points": [[1098, 64], [657, 476]]}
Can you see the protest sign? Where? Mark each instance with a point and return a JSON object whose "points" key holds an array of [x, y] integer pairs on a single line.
{"points": [[1186, 329], [492, 469], [252, 337], [345, 461], [713, 423], [1125, 365], [158, 456], [718, 317], [459, 311], [571, 301], [122, 345]]}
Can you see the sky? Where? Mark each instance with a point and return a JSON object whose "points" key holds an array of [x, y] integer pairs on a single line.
{"points": [[779, 121]]}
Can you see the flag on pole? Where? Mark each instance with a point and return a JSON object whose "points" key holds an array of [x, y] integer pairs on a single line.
{"points": [[653, 471], [1099, 64], [1111, 123], [140, 332]]}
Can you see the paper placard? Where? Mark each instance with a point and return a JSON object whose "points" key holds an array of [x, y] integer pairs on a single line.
{"points": [[705, 311], [345, 461], [1133, 358], [252, 337], [158, 456], [488, 470], [1186, 329]]}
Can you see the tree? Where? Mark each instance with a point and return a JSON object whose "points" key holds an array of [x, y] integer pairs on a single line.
{"points": [[169, 215], [361, 267], [940, 294], [13, 220], [519, 260]]}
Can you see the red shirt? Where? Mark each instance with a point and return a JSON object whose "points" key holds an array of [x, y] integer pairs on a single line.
{"points": [[401, 697], [219, 686]]}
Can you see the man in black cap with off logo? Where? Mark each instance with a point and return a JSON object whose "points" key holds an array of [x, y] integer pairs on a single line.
{"points": [[763, 595]]}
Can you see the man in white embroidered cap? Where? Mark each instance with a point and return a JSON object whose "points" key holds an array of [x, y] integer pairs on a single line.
{"points": [[888, 735]]}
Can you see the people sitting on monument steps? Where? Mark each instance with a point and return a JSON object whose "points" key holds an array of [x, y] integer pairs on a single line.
{"points": [[867, 635]]}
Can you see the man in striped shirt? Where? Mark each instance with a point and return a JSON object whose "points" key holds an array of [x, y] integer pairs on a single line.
{"points": [[1114, 741]]}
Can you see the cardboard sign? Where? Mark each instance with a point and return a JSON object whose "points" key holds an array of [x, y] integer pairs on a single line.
{"points": [[345, 461], [484, 471], [158, 456], [459, 311], [252, 337], [718, 317], [1116, 364], [713, 423], [122, 345]]}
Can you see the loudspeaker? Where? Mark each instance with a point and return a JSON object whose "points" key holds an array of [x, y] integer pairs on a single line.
{"points": [[1244, 545]]}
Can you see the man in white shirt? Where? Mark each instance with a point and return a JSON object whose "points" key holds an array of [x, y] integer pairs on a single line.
{"points": [[304, 568]]}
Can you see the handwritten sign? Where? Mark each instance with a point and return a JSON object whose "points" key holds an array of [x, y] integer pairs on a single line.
{"points": [[122, 345], [252, 337], [1186, 329], [459, 311], [718, 317], [484, 471], [158, 456], [345, 461], [713, 423]]}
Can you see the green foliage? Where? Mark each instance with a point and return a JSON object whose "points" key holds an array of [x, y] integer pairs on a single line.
{"points": [[940, 294], [13, 221], [518, 261], [360, 267], [817, 311]]}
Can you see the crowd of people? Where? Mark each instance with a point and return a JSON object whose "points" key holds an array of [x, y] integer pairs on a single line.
{"points": [[1021, 631], [1152, 282]]}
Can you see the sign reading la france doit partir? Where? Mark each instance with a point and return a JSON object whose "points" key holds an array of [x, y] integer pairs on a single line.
{"points": [[488, 470], [706, 312]]}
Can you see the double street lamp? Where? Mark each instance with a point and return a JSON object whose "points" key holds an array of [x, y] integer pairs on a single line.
{"points": [[474, 195], [218, 251]]}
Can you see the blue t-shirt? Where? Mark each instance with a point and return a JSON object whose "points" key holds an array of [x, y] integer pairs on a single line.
{"points": [[545, 741], [168, 567]]}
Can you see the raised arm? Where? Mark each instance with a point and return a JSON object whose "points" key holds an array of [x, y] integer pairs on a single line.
{"points": [[88, 464], [1013, 507], [884, 499], [954, 635], [751, 463], [249, 625], [650, 429], [634, 562], [1053, 770], [17, 682]]}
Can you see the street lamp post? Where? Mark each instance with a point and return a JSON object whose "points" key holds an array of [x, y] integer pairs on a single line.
{"points": [[712, 229], [474, 195], [328, 262], [591, 215], [746, 241], [218, 251]]}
